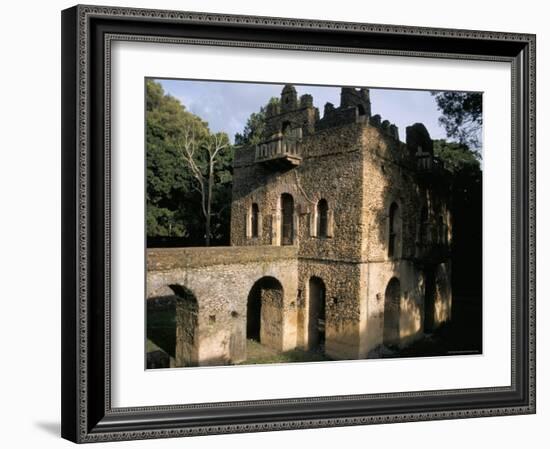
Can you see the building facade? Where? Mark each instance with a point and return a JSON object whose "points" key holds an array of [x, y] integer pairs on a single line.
{"points": [[366, 219]]}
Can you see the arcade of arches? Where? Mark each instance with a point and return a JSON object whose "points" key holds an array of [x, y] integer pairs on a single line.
{"points": [[274, 304]]}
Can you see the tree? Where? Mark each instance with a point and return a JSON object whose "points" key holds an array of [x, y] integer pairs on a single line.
{"points": [[461, 116], [203, 169], [173, 200], [457, 157], [466, 209], [255, 125]]}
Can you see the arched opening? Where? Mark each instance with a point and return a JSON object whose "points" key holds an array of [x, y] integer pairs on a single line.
{"points": [[187, 326], [361, 110], [393, 240], [287, 221], [392, 302], [316, 314], [264, 311], [429, 299], [255, 220], [322, 218], [285, 128], [172, 327]]}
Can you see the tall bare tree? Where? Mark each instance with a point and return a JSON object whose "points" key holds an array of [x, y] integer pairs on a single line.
{"points": [[201, 157]]}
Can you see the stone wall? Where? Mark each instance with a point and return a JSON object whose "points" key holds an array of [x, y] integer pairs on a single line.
{"points": [[331, 169], [342, 306], [221, 278]]}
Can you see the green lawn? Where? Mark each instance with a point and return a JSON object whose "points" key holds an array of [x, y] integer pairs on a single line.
{"points": [[259, 354]]}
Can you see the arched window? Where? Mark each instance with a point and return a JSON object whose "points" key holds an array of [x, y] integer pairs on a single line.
{"points": [[287, 219], [393, 240], [322, 218], [255, 223]]}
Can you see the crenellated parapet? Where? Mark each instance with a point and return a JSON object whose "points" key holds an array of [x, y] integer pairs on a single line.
{"points": [[385, 126]]}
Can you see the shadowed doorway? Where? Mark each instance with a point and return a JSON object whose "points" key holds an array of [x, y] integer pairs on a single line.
{"points": [[392, 299], [317, 315], [264, 310]]}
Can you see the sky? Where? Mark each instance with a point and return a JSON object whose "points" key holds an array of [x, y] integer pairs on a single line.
{"points": [[226, 106]]}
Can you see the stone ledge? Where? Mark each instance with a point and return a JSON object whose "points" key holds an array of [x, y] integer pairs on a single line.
{"points": [[163, 259]]}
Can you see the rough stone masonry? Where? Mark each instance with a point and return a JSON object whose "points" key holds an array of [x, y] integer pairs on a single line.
{"points": [[340, 241]]}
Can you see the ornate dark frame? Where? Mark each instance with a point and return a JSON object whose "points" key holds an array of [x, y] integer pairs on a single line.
{"points": [[87, 32]]}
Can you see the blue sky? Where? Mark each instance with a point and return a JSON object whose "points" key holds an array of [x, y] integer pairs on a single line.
{"points": [[227, 105]]}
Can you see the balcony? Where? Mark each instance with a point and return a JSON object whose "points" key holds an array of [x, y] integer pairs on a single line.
{"points": [[283, 152]]}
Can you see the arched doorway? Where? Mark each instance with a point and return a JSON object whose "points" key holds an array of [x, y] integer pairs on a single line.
{"points": [[264, 313], [187, 326], [316, 314], [287, 219], [392, 300]]}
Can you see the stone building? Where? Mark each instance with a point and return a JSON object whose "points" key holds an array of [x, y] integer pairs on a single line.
{"points": [[340, 241]]}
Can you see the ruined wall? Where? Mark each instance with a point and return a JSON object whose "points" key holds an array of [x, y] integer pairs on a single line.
{"points": [[331, 169], [221, 278], [421, 244], [342, 306], [389, 178], [376, 277]]}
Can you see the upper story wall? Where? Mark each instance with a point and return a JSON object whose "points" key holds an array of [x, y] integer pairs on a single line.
{"points": [[406, 207], [358, 193], [330, 170]]}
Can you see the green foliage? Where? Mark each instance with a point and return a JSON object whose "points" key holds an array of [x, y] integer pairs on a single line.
{"points": [[462, 116], [173, 202], [457, 157], [255, 125]]}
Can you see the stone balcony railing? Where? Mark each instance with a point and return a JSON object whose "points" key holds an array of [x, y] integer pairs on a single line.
{"points": [[284, 150]]}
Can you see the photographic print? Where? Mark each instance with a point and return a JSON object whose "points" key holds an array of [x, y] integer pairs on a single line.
{"points": [[308, 199], [301, 223]]}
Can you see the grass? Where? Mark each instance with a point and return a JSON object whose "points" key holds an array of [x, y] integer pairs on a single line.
{"points": [[260, 354]]}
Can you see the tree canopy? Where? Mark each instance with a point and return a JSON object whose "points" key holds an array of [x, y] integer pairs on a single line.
{"points": [[173, 199], [255, 125], [462, 116], [457, 157]]}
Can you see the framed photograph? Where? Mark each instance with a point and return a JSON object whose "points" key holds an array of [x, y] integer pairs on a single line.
{"points": [[278, 224]]}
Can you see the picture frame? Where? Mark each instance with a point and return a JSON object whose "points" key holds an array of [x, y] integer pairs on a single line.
{"points": [[87, 411]]}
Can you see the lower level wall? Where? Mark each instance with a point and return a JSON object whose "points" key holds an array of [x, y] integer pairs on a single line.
{"points": [[345, 310], [340, 293], [415, 303], [222, 292]]}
